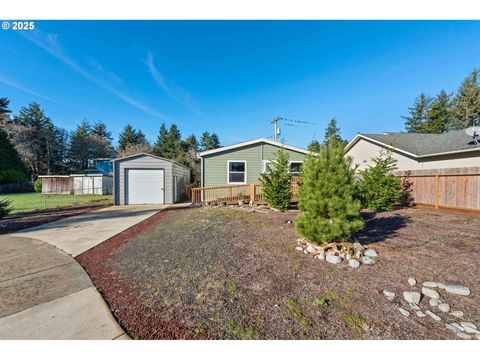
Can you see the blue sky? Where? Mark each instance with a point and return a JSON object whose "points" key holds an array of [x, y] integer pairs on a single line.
{"points": [[233, 77]]}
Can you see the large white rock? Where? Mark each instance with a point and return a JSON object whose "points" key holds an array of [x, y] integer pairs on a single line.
{"points": [[458, 290], [454, 327], [421, 314], [469, 327], [334, 259], [434, 302], [433, 315], [310, 248], [371, 253], [390, 295], [430, 293], [444, 307], [462, 335], [457, 313], [412, 281], [368, 260], [404, 312], [357, 246], [412, 297], [320, 255], [299, 248], [354, 264], [430, 284]]}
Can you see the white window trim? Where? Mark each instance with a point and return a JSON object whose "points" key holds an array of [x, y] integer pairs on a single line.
{"points": [[294, 162], [264, 165], [228, 172]]}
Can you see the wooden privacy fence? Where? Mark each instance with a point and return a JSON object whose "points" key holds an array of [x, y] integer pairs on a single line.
{"points": [[232, 194], [457, 188]]}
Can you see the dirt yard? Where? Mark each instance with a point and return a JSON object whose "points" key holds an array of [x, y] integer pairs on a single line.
{"points": [[228, 274]]}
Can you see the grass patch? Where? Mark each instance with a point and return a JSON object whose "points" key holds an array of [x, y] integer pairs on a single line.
{"points": [[240, 332], [321, 302], [198, 331], [295, 312], [27, 202]]}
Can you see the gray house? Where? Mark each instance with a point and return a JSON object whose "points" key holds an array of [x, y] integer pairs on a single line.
{"points": [[149, 179], [243, 163], [453, 149]]}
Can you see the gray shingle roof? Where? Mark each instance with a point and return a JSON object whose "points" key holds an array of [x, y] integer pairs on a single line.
{"points": [[427, 144]]}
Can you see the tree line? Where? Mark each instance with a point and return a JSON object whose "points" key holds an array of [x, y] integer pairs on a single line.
{"points": [[46, 149], [446, 111]]}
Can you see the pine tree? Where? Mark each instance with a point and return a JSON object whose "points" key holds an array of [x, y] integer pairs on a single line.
{"points": [[11, 167], [190, 143], [130, 136], [160, 147], [418, 114], [327, 197], [277, 182], [439, 116], [79, 149], [380, 190], [209, 141], [332, 133], [314, 146], [466, 104], [5, 106]]}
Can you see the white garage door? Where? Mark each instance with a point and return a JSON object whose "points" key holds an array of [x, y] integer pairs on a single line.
{"points": [[145, 186]]}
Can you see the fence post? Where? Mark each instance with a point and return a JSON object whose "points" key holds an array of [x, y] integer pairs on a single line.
{"points": [[252, 193], [437, 191]]}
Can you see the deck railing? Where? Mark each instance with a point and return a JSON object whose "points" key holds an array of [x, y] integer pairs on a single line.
{"points": [[232, 194]]}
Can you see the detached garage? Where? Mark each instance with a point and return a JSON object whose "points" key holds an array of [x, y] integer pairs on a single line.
{"points": [[149, 179]]}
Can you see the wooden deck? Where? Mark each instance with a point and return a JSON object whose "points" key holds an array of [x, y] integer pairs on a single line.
{"points": [[233, 194]]}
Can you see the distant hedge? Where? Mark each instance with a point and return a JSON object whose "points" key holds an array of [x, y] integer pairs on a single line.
{"points": [[11, 167]]}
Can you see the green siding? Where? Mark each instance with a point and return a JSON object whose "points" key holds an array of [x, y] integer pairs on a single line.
{"points": [[215, 165]]}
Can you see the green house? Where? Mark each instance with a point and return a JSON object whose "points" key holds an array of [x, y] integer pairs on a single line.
{"points": [[243, 163]]}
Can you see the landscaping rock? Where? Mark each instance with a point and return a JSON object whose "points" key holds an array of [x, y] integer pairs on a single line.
{"points": [[357, 246], [458, 290], [434, 302], [441, 286], [444, 307], [430, 293], [348, 257], [334, 259], [390, 295], [421, 314], [462, 335], [412, 281], [430, 284], [469, 327], [457, 313], [454, 327], [412, 297], [368, 260], [404, 312], [370, 253], [311, 249], [433, 315], [306, 252], [321, 255], [299, 248], [354, 264]]}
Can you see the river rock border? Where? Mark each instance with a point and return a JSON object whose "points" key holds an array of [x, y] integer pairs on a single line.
{"points": [[430, 296], [354, 255]]}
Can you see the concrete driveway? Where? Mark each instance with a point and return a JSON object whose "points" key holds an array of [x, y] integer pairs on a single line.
{"points": [[77, 234], [44, 292]]}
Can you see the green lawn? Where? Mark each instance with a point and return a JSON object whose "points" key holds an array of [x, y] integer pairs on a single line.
{"points": [[35, 201]]}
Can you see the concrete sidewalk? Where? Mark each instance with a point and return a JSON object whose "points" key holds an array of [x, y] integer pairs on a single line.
{"points": [[44, 292], [77, 234]]}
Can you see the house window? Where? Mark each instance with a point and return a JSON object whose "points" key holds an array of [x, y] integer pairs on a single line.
{"points": [[296, 167], [267, 166], [237, 172]]}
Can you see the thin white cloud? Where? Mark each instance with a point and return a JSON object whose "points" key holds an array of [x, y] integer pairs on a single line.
{"points": [[17, 86], [49, 43], [177, 94]]}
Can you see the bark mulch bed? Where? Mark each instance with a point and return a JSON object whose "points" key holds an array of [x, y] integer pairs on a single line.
{"points": [[230, 274], [22, 221]]}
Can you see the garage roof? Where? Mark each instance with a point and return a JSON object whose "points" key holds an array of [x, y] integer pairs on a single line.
{"points": [[151, 155]]}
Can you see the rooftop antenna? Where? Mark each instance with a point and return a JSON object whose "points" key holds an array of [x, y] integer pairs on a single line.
{"points": [[288, 122], [474, 132]]}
